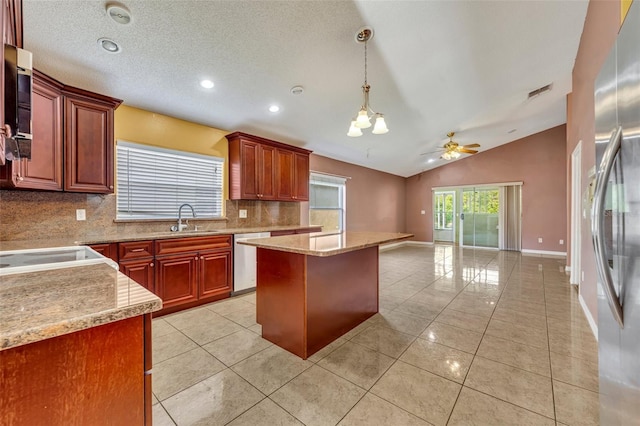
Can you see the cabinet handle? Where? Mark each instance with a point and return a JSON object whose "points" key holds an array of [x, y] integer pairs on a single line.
{"points": [[151, 265], [110, 186], [196, 258], [137, 250]]}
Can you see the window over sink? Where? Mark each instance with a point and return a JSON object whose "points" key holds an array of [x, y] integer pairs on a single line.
{"points": [[153, 182]]}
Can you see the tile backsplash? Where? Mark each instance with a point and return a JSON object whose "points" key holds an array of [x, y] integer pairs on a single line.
{"points": [[34, 215]]}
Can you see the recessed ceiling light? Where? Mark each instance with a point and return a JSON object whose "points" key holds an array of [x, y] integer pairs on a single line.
{"points": [[274, 108], [430, 160], [297, 90], [207, 84], [109, 45], [119, 14]]}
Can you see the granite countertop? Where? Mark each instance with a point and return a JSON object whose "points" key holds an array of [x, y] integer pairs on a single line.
{"points": [[44, 243], [40, 305], [325, 243]]}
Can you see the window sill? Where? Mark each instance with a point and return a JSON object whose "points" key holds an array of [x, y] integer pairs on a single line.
{"points": [[190, 219]]}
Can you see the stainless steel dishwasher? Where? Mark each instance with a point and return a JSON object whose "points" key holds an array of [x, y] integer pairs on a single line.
{"points": [[244, 262]]}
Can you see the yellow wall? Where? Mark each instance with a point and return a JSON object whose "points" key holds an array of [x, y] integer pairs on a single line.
{"points": [[145, 127], [624, 5]]}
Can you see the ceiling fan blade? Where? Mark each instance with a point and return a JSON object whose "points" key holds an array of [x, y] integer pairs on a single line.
{"points": [[467, 151], [473, 145]]}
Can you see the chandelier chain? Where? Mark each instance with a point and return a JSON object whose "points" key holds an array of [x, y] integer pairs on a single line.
{"points": [[365, 63]]}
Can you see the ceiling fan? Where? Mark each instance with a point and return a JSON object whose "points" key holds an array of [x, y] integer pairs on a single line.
{"points": [[452, 149]]}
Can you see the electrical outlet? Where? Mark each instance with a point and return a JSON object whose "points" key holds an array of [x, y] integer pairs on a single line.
{"points": [[539, 240], [561, 242], [81, 214], [423, 212], [582, 277], [242, 214]]}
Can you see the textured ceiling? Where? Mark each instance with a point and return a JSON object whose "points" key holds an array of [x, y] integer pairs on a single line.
{"points": [[434, 67]]}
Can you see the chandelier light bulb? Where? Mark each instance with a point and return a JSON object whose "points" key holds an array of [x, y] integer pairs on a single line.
{"points": [[363, 121], [446, 156], [354, 131], [380, 128], [455, 154]]}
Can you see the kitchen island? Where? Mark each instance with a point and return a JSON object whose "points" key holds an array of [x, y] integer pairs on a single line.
{"points": [[75, 347], [313, 288]]}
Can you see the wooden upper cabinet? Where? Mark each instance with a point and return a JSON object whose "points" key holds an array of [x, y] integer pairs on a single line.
{"points": [[88, 144], [285, 172], [301, 177], [262, 169], [44, 169]]}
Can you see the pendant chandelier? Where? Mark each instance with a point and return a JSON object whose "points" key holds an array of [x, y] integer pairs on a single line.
{"points": [[363, 119]]}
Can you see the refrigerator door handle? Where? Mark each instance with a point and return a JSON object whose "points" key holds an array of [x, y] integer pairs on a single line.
{"points": [[597, 226]]}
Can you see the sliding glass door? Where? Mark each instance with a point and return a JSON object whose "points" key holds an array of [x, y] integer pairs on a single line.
{"points": [[480, 217]]}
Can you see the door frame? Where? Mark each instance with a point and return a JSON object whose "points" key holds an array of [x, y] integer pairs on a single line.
{"points": [[576, 214], [455, 209]]}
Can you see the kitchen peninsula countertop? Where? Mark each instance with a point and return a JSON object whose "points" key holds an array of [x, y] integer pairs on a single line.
{"points": [[40, 305], [325, 243]]}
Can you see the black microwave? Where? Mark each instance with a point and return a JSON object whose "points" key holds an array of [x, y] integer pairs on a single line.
{"points": [[18, 74]]}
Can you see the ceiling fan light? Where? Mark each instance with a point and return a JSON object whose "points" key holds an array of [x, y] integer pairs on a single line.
{"points": [[455, 154], [354, 131], [446, 156], [380, 128]]}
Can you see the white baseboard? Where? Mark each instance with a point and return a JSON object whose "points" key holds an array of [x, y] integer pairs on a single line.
{"points": [[418, 243], [545, 252], [392, 246], [587, 313]]}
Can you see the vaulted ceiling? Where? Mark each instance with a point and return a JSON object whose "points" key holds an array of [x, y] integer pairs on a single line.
{"points": [[433, 67]]}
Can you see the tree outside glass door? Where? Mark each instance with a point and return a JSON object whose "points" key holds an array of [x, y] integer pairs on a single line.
{"points": [[480, 217], [444, 213]]}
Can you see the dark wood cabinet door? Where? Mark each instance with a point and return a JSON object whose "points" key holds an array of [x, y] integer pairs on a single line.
{"points": [[109, 250], [88, 145], [44, 170], [141, 271], [284, 174], [301, 185], [249, 185], [215, 270], [267, 173], [176, 279]]}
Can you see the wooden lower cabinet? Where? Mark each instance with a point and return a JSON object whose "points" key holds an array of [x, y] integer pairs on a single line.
{"points": [[91, 377], [141, 271], [215, 272], [109, 250], [176, 279]]}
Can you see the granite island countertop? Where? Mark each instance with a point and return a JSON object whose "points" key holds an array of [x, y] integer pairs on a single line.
{"points": [[40, 305], [327, 243]]}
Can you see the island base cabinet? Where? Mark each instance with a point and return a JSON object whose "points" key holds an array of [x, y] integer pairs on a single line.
{"points": [[305, 302], [90, 377]]}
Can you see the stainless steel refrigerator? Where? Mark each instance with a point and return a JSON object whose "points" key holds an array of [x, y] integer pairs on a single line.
{"points": [[616, 225]]}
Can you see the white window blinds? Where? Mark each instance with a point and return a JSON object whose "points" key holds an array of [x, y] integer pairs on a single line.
{"points": [[153, 182]]}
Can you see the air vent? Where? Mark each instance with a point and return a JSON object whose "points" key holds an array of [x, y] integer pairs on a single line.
{"points": [[540, 91]]}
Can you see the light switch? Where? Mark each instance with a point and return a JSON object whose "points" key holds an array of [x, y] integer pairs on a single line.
{"points": [[539, 240], [561, 242], [243, 214], [81, 214], [423, 212]]}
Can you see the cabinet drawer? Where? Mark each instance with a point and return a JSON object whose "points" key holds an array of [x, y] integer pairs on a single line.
{"points": [[181, 245], [135, 249]]}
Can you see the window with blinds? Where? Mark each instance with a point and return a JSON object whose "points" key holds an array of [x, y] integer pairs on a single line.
{"points": [[153, 182], [327, 195]]}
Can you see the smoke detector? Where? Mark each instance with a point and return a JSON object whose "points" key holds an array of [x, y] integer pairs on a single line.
{"points": [[119, 13]]}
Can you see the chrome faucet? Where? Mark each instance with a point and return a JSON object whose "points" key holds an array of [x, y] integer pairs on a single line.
{"points": [[180, 226]]}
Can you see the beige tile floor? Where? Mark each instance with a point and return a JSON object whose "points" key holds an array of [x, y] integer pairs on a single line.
{"points": [[463, 337]]}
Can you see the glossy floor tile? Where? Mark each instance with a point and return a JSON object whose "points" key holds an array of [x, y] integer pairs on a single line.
{"points": [[463, 337]]}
